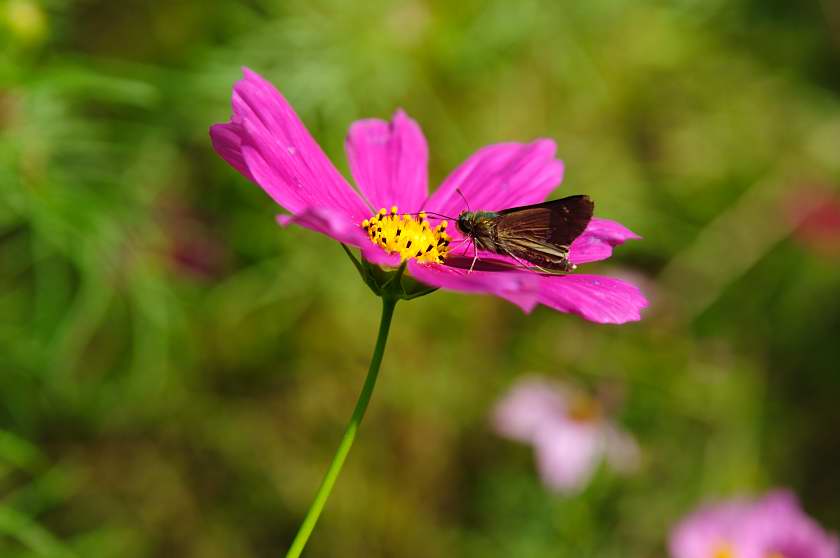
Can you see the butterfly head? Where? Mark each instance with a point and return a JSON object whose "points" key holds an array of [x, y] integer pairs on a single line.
{"points": [[466, 223]]}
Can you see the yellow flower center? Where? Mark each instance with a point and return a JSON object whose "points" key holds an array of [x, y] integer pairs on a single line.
{"points": [[725, 550], [583, 408], [410, 236]]}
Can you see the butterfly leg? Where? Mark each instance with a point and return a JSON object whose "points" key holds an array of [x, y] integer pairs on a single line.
{"points": [[459, 244], [475, 257]]}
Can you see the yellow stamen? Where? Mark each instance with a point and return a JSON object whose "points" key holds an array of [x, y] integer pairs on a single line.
{"points": [[724, 550], [409, 236]]}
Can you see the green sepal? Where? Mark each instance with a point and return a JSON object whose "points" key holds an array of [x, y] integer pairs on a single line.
{"points": [[390, 283]]}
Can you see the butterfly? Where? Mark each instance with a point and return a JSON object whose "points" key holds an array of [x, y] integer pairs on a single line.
{"points": [[537, 236]]}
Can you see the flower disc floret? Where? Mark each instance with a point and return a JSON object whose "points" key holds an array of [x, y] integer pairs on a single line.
{"points": [[410, 236]]}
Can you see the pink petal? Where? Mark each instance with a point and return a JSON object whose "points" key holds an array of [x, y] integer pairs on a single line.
{"points": [[567, 454], [701, 533], [596, 298], [389, 161], [597, 241], [500, 176], [529, 405], [518, 287], [266, 141], [336, 225], [227, 141], [778, 525]]}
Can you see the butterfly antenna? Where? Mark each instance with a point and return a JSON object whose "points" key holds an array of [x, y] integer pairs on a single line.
{"points": [[432, 213], [464, 198]]}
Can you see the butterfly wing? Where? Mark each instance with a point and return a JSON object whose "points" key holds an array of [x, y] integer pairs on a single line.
{"points": [[556, 221], [542, 233]]}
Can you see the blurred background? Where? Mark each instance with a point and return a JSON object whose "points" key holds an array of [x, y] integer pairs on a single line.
{"points": [[176, 371]]}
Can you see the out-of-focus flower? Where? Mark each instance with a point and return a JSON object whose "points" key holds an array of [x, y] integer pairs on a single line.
{"points": [[772, 527], [815, 215], [193, 248], [266, 142], [568, 430]]}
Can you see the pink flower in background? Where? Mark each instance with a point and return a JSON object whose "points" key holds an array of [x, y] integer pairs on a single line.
{"points": [[268, 144], [815, 215], [772, 527], [568, 431], [193, 248]]}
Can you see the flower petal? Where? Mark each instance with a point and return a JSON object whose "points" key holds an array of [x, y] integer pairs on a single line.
{"points": [[774, 525], [266, 141], [227, 141], [389, 161], [700, 534], [778, 526], [593, 297], [500, 176], [518, 287], [597, 241], [530, 404], [336, 225], [567, 454]]}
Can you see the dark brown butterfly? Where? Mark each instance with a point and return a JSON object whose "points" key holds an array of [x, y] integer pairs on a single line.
{"points": [[537, 236]]}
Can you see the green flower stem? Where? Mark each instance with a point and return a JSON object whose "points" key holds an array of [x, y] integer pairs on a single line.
{"points": [[330, 477]]}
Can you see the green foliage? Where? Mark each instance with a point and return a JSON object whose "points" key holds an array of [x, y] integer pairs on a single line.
{"points": [[175, 370]]}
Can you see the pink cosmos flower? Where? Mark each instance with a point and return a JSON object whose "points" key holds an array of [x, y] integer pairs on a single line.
{"points": [[772, 527], [568, 431], [268, 144]]}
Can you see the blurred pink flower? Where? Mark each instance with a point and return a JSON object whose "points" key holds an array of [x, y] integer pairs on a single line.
{"points": [[568, 431], [268, 144], [815, 215], [193, 248], [772, 527]]}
